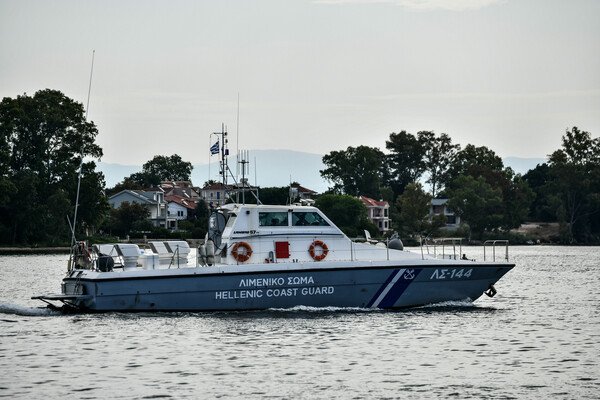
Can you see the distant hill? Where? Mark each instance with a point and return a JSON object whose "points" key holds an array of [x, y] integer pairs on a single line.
{"points": [[277, 168], [267, 168]]}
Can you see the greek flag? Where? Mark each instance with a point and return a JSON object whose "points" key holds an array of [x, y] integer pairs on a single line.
{"points": [[214, 149]]}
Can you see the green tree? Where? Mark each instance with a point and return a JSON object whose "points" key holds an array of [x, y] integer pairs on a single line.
{"points": [[354, 171], [406, 159], [45, 134], [141, 179], [517, 197], [24, 216], [160, 168], [274, 195], [171, 168], [93, 203], [474, 161], [42, 138], [541, 181], [200, 218], [476, 203], [576, 168], [415, 207], [122, 220], [127, 184], [348, 213], [58, 206], [439, 156], [482, 162], [210, 182]]}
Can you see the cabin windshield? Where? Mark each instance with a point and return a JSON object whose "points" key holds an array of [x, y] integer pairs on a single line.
{"points": [[231, 220], [273, 219], [308, 219]]}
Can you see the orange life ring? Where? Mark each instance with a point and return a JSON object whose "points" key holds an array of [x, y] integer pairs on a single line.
{"points": [[243, 255], [323, 247]]}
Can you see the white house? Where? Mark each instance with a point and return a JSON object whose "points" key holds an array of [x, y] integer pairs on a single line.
{"points": [[179, 207], [153, 200], [438, 206]]}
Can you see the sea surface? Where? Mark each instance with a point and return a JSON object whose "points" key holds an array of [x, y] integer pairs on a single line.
{"points": [[539, 337]]}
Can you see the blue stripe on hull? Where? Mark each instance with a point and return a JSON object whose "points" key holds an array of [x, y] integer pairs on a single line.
{"points": [[399, 287], [383, 288]]}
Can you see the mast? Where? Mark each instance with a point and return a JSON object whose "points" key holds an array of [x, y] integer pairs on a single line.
{"points": [[224, 153], [244, 180], [224, 167]]}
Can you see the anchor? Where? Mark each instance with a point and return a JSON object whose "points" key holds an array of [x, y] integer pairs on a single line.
{"points": [[491, 292]]}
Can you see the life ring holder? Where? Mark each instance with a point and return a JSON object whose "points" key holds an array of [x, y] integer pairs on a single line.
{"points": [[243, 255], [324, 250]]}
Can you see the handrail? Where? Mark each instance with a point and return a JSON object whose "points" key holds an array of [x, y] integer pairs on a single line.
{"points": [[493, 244], [453, 242]]}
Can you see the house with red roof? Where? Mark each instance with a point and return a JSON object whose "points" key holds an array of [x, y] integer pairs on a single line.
{"points": [[378, 212], [303, 193], [180, 188]]}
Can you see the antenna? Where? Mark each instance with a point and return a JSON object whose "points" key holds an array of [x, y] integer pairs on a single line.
{"points": [[256, 182], [244, 181], [237, 139], [87, 110]]}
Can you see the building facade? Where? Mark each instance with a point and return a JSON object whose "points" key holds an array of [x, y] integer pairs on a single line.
{"points": [[153, 200], [439, 206], [379, 213]]}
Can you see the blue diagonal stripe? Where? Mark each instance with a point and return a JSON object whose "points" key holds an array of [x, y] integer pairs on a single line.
{"points": [[382, 288], [399, 287]]}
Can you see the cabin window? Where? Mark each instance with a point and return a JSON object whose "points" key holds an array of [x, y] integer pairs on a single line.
{"points": [[273, 219], [308, 219], [230, 221]]}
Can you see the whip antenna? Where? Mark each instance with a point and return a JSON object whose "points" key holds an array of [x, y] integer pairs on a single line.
{"points": [[87, 109]]}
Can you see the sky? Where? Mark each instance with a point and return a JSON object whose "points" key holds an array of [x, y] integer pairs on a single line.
{"points": [[310, 75]]}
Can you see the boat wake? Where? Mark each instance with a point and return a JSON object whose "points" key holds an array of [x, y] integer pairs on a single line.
{"points": [[451, 303], [15, 309]]}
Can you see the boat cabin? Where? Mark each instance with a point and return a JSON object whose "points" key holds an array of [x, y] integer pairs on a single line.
{"points": [[257, 234]]}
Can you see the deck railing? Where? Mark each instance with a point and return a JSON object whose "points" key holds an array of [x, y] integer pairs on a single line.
{"points": [[493, 244], [445, 248]]}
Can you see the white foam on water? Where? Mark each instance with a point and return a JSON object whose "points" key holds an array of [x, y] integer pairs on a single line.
{"points": [[451, 303], [324, 309], [15, 309]]}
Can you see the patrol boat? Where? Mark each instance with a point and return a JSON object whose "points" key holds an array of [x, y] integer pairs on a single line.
{"points": [[262, 257]]}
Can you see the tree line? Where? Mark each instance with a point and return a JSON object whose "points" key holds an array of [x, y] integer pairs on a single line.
{"points": [[484, 193], [44, 137], [42, 141]]}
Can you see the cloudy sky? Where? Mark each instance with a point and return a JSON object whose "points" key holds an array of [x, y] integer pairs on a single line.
{"points": [[311, 75]]}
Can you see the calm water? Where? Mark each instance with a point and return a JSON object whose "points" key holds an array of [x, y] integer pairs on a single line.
{"points": [[539, 337]]}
